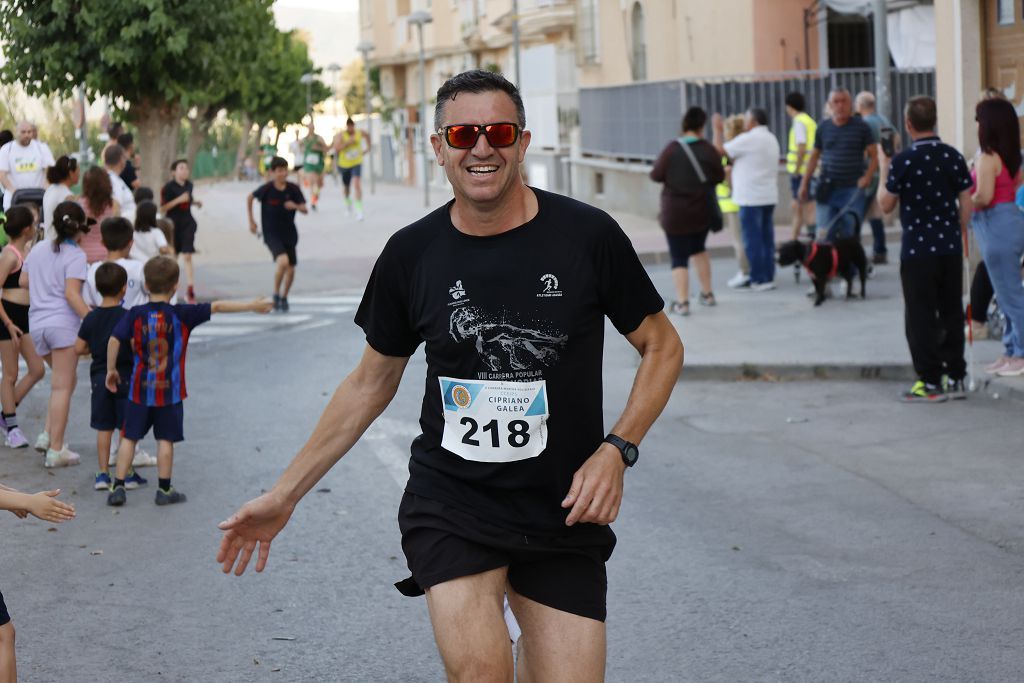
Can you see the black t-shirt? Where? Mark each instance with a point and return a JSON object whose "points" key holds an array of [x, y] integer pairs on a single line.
{"points": [[128, 175], [527, 305], [95, 330], [278, 222], [180, 215]]}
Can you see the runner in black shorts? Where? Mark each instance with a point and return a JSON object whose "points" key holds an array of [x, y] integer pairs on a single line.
{"points": [[176, 202], [279, 200], [509, 288]]}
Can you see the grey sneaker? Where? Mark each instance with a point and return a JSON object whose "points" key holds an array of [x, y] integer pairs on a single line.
{"points": [[117, 497], [169, 497], [956, 389]]}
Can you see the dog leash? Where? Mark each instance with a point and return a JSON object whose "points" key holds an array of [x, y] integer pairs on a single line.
{"points": [[842, 211]]}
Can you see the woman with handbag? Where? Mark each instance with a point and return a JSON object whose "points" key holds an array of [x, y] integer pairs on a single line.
{"points": [[689, 168]]}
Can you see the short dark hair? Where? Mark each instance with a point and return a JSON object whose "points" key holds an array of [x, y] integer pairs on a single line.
{"points": [[114, 129], [5, 136], [113, 155], [126, 140], [143, 193], [161, 274], [477, 81], [145, 215], [178, 162], [797, 101], [278, 162], [116, 232], [999, 132], [349, 122], [111, 278], [759, 115], [17, 219], [920, 111], [694, 119]]}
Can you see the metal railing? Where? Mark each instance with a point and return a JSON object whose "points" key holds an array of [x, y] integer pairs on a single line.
{"points": [[635, 121]]}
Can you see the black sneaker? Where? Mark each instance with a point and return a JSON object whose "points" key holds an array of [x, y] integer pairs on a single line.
{"points": [[168, 497], [277, 302], [880, 259], [117, 497], [956, 389], [284, 304]]}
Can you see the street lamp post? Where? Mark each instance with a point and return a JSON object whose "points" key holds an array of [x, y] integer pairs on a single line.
{"points": [[365, 47], [334, 69], [418, 19], [515, 40], [308, 79]]}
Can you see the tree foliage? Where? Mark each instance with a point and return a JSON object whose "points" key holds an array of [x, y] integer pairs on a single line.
{"points": [[275, 92]]}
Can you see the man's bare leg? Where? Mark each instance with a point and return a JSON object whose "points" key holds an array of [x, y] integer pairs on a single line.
{"points": [[469, 626], [289, 278], [556, 645]]}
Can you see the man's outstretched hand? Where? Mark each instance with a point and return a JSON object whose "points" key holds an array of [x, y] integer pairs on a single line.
{"points": [[258, 521]]}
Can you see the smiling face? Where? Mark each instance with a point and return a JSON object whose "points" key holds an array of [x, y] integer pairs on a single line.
{"points": [[482, 175]]}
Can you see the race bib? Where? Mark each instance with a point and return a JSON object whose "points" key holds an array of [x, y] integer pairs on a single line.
{"points": [[313, 158], [353, 153], [488, 421]]}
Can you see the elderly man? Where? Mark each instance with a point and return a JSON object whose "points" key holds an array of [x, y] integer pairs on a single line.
{"points": [[864, 103], [841, 145], [23, 162], [114, 160]]}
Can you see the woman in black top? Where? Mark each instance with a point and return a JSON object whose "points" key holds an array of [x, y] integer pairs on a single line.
{"points": [[687, 204]]}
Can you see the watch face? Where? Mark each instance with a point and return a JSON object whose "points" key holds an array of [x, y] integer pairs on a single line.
{"points": [[632, 453]]}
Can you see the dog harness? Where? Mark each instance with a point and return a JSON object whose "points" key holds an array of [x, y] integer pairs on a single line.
{"points": [[835, 261]]}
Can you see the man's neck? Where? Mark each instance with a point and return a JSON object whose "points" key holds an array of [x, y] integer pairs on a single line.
{"points": [[118, 254], [517, 206], [160, 298], [915, 135]]}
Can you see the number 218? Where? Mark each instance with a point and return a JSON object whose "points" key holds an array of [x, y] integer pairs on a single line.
{"points": [[518, 432]]}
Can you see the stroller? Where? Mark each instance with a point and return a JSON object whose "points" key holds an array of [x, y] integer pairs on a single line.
{"points": [[31, 196]]}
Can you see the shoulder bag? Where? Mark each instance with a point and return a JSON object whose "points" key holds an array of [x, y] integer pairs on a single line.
{"points": [[715, 221]]}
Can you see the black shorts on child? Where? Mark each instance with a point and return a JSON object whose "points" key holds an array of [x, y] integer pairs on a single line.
{"points": [[107, 408], [18, 313], [167, 422], [4, 616]]}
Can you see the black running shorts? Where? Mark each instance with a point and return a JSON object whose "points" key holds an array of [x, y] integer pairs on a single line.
{"points": [[442, 543], [278, 246], [5, 618]]}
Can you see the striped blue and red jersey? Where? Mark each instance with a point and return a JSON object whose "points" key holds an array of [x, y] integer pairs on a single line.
{"points": [[158, 334]]}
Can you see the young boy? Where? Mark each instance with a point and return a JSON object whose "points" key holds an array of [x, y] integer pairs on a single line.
{"points": [[279, 200], [93, 337], [176, 202], [158, 334], [44, 506], [118, 235]]}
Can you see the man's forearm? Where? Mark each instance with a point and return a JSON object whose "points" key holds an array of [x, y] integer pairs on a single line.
{"points": [[5, 180], [812, 166], [357, 402], [655, 379]]}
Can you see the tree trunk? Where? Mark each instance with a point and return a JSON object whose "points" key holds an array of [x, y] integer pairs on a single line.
{"points": [[198, 129], [158, 126], [243, 144]]}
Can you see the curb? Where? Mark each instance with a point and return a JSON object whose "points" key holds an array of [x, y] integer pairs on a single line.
{"points": [[793, 372]]}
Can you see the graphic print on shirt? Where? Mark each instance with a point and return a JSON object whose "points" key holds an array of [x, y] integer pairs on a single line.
{"points": [[504, 340]]}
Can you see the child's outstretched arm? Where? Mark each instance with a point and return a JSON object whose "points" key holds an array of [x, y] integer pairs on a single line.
{"points": [[261, 305], [42, 505]]}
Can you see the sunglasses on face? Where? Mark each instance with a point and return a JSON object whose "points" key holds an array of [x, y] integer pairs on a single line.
{"points": [[465, 135]]}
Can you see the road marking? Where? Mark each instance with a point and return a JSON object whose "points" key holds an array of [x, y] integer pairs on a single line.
{"points": [[352, 299]]}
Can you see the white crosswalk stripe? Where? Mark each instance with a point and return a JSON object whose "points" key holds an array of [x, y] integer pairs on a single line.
{"points": [[306, 313]]}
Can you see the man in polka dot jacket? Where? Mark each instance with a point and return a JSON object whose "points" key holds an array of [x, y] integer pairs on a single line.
{"points": [[931, 181]]}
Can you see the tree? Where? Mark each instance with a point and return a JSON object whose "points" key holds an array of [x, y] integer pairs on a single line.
{"points": [[276, 93], [157, 57], [355, 97]]}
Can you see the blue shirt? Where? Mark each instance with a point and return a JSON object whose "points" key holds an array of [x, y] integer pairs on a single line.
{"points": [[842, 150], [928, 176]]}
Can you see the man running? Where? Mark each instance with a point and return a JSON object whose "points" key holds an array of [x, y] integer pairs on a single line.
{"points": [[509, 287], [349, 146], [279, 200], [314, 149]]}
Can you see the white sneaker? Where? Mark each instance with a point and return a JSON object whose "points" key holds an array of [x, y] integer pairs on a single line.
{"points": [[43, 442], [763, 286], [359, 215], [739, 280], [62, 458], [142, 458]]}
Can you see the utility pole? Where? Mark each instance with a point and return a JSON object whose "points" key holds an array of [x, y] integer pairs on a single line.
{"points": [[365, 48], [882, 78], [418, 19], [515, 40]]}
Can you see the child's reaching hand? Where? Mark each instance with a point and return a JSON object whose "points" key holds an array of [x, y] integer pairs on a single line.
{"points": [[262, 305], [46, 507]]}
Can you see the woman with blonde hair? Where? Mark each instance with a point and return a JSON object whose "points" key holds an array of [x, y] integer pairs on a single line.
{"points": [[731, 211]]}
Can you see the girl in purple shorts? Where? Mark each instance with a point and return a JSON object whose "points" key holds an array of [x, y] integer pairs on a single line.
{"points": [[53, 274]]}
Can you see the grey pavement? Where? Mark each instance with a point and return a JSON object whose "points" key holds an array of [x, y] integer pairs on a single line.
{"points": [[791, 531]]}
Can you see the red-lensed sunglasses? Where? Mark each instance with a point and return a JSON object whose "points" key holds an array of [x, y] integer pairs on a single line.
{"points": [[465, 135]]}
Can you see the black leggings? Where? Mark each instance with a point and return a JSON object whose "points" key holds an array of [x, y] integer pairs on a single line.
{"points": [[981, 294]]}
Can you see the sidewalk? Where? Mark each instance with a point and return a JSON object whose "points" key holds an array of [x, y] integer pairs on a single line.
{"points": [[749, 335]]}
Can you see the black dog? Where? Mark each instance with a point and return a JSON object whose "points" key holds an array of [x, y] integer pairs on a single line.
{"points": [[824, 261]]}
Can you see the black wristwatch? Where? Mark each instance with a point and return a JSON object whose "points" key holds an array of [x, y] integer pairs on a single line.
{"points": [[630, 453]]}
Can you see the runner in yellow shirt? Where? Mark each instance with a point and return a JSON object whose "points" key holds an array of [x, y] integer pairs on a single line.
{"points": [[348, 144]]}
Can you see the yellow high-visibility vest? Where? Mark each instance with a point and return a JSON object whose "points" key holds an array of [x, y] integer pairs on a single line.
{"points": [[812, 128], [724, 193]]}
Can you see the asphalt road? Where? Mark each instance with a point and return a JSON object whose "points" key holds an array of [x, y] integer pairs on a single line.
{"points": [[771, 532]]}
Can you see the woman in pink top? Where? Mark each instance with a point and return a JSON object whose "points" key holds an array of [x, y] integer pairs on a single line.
{"points": [[998, 223], [53, 274], [98, 202]]}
